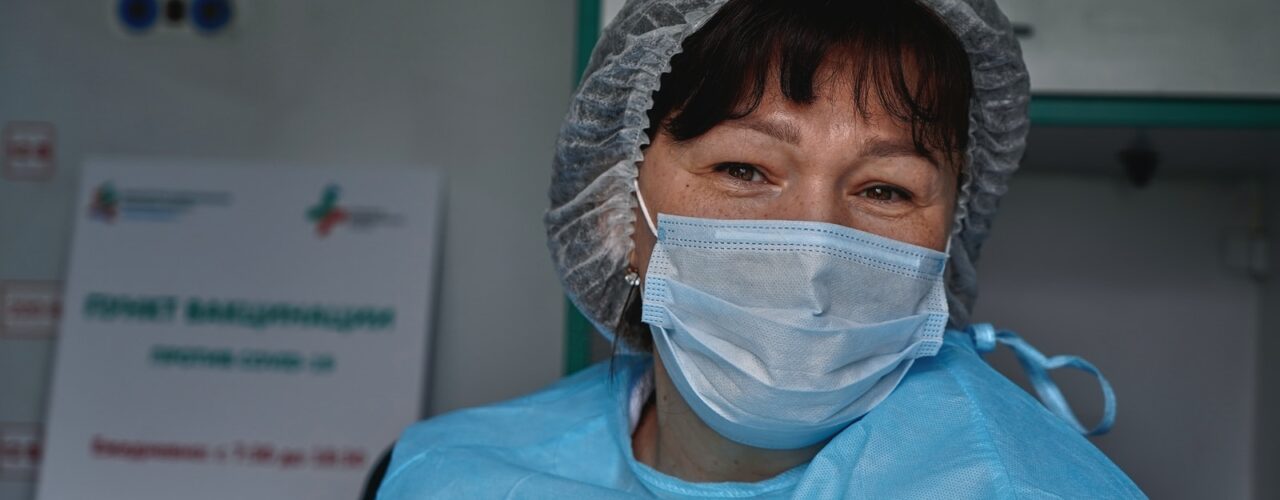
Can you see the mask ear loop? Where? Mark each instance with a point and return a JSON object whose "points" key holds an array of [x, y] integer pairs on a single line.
{"points": [[633, 275], [630, 311], [635, 183]]}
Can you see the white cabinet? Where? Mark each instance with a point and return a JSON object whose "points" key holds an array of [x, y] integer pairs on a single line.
{"points": [[1223, 48]]}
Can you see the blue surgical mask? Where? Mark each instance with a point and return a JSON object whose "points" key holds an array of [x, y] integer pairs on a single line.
{"points": [[779, 334]]}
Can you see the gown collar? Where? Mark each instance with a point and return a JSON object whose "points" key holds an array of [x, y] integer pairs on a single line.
{"points": [[634, 387]]}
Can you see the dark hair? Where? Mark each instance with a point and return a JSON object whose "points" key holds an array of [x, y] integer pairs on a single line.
{"points": [[901, 54], [724, 69]]}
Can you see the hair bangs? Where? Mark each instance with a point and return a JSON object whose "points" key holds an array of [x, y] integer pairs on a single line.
{"points": [[896, 57]]}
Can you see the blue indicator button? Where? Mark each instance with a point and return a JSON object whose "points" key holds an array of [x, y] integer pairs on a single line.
{"points": [[211, 15], [138, 15]]}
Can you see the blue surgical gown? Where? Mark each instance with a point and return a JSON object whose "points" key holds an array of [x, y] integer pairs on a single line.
{"points": [[954, 428]]}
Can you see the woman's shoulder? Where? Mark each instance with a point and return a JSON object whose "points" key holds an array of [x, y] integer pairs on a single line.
{"points": [[962, 410], [509, 439], [532, 418]]}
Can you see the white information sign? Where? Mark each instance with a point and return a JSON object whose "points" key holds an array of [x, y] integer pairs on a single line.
{"points": [[239, 331]]}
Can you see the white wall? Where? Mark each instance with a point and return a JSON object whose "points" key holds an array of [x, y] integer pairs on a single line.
{"points": [[1224, 47], [477, 89], [1135, 281]]}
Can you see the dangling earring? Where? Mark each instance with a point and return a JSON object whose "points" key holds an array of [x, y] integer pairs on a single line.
{"points": [[629, 309], [632, 276]]}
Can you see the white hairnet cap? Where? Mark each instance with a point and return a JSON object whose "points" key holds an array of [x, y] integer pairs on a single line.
{"points": [[590, 221]]}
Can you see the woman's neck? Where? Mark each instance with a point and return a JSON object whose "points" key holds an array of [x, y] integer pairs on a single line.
{"points": [[673, 440]]}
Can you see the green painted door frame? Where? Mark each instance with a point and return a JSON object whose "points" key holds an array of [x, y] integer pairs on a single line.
{"points": [[1154, 112], [1046, 110], [578, 330]]}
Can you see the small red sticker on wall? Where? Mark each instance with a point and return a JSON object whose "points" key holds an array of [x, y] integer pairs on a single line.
{"points": [[30, 309], [29, 153], [21, 445]]}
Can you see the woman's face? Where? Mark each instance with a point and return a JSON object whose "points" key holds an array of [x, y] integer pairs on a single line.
{"points": [[818, 162]]}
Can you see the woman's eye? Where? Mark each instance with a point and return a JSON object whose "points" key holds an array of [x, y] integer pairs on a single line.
{"points": [[741, 171], [886, 193]]}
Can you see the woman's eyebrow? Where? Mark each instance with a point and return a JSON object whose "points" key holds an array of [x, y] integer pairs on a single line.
{"points": [[877, 147], [778, 129]]}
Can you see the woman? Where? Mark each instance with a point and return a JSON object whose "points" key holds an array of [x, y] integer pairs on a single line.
{"points": [[777, 227]]}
